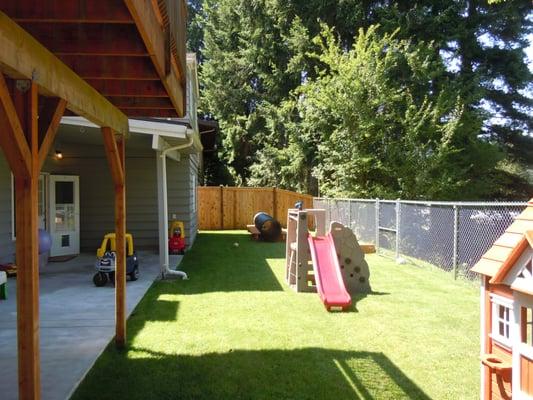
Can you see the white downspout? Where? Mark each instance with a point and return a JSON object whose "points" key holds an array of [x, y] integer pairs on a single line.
{"points": [[163, 234]]}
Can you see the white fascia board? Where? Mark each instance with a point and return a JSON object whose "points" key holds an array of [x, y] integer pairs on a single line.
{"points": [[138, 126]]}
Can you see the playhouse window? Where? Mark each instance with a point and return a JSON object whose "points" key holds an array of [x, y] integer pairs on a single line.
{"points": [[501, 320], [526, 325]]}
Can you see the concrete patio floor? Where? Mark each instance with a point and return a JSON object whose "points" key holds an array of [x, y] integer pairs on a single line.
{"points": [[77, 322]]}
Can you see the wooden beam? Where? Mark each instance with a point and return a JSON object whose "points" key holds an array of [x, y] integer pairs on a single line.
{"points": [[111, 67], [157, 103], [27, 245], [150, 112], [127, 88], [113, 156], [12, 140], [88, 39], [23, 57], [154, 37], [120, 270], [51, 11], [52, 124]]}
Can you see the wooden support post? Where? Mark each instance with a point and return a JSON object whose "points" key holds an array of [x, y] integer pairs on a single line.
{"points": [[18, 119], [221, 207], [27, 245], [115, 152]]}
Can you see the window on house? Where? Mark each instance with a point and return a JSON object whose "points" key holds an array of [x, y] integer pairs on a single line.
{"points": [[502, 315], [526, 325]]}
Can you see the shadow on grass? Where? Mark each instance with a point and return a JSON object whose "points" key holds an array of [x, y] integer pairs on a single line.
{"points": [[227, 262], [309, 373], [357, 297]]}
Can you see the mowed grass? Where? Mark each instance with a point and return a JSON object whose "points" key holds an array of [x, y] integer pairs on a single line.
{"points": [[236, 331]]}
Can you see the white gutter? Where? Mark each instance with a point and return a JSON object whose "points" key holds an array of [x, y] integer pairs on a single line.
{"points": [[163, 212]]}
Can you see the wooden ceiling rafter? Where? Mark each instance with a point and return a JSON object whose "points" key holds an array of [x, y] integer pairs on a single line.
{"points": [[124, 51]]}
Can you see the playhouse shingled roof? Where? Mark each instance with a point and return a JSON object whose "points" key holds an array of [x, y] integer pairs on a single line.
{"points": [[497, 261]]}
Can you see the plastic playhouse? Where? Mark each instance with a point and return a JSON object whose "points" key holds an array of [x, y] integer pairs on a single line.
{"points": [[507, 312], [331, 263], [106, 260]]}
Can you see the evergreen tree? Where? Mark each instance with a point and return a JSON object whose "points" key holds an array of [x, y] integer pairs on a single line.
{"points": [[257, 53]]}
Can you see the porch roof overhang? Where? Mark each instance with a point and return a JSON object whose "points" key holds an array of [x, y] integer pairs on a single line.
{"points": [[164, 135], [108, 59]]}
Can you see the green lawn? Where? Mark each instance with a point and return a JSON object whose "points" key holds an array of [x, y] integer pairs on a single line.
{"points": [[236, 331]]}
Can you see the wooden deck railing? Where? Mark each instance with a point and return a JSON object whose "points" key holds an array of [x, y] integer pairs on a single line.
{"points": [[233, 208]]}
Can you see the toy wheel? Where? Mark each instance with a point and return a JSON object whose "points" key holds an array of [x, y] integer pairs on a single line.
{"points": [[99, 279], [134, 275]]}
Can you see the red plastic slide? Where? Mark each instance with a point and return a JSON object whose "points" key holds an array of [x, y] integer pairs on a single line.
{"points": [[329, 282]]}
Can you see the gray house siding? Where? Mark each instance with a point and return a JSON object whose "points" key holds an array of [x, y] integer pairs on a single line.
{"points": [[96, 192], [88, 161], [180, 193], [7, 245]]}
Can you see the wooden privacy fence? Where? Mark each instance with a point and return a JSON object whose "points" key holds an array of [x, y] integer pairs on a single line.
{"points": [[234, 207]]}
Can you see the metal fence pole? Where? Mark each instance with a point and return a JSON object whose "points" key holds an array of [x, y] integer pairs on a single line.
{"points": [[377, 225], [455, 239], [398, 215], [350, 214]]}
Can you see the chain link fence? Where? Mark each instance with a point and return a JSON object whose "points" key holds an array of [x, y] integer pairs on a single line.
{"points": [[452, 236]]}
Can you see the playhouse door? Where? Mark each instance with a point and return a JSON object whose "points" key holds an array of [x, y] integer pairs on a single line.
{"points": [[64, 215]]}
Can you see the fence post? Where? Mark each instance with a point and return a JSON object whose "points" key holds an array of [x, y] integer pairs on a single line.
{"points": [[398, 216], [455, 239], [221, 207], [377, 225]]}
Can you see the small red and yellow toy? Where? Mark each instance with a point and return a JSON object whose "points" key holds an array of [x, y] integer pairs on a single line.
{"points": [[176, 238]]}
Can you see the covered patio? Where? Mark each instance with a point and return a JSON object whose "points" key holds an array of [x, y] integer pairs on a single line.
{"points": [[77, 322]]}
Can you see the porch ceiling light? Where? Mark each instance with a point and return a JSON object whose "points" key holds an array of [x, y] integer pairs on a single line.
{"points": [[59, 155]]}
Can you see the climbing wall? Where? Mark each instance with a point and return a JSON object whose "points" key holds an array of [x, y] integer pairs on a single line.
{"points": [[354, 268]]}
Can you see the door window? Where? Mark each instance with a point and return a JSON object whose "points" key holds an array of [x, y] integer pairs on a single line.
{"points": [[65, 211]]}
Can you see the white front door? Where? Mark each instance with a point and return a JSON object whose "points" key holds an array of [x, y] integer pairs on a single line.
{"points": [[64, 214]]}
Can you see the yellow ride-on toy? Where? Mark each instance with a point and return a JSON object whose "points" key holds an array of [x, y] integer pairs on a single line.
{"points": [[105, 260]]}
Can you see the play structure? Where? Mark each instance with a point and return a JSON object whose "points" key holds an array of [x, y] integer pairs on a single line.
{"points": [[105, 260], [507, 312], [330, 263], [176, 238]]}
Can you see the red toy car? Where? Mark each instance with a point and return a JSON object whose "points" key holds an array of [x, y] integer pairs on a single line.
{"points": [[176, 243]]}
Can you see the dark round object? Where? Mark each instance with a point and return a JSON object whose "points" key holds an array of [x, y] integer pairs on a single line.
{"points": [[269, 228], [134, 275], [45, 241], [100, 279]]}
